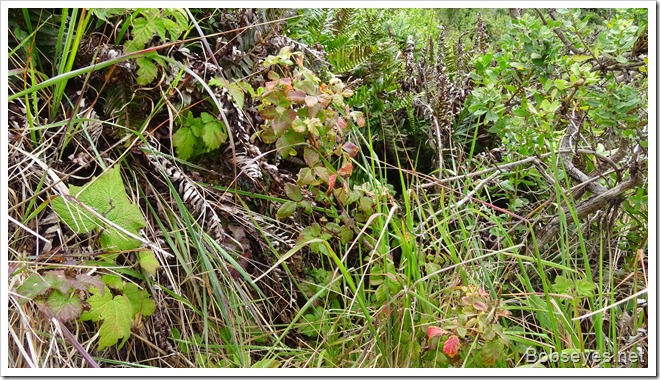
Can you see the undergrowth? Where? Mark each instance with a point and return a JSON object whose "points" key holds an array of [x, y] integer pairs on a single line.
{"points": [[334, 188]]}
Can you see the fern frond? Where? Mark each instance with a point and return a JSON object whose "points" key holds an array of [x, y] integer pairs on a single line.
{"points": [[350, 57]]}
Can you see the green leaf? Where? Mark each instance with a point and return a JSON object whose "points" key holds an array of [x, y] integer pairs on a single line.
{"points": [[293, 192], [106, 195], [237, 94], [345, 235], [563, 285], [160, 28], [66, 307], [581, 58], [147, 71], [143, 31], [287, 209], [286, 143], [219, 82], [506, 184], [33, 286], [115, 313], [140, 300], [112, 281], [307, 207], [306, 177], [491, 116], [585, 288], [184, 141], [148, 262], [309, 233], [214, 133]]}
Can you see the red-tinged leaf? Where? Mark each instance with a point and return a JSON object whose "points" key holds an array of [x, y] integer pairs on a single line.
{"points": [[346, 170], [465, 300], [360, 121], [434, 331], [311, 101], [331, 183], [480, 306], [85, 281], [286, 82], [65, 307], [451, 346], [482, 292], [271, 85], [350, 148], [324, 99], [341, 123], [268, 113], [311, 157], [503, 313], [323, 173], [296, 96]]}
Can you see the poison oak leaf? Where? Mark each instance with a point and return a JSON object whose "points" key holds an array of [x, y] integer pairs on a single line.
{"points": [[434, 331], [451, 346], [350, 148]]}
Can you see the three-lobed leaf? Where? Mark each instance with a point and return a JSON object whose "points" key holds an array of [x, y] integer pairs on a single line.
{"points": [[115, 312]]}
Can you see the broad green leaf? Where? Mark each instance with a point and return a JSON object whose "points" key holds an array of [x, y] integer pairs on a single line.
{"points": [[306, 177], [287, 142], [106, 195], [184, 141], [33, 286], [66, 307], [345, 235], [299, 125], [140, 300], [106, 13], [293, 192], [113, 282], [148, 262], [323, 173], [160, 28], [237, 94], [116, 314], [218, 82], [286, 210]]}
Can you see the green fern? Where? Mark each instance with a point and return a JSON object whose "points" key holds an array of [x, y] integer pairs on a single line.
{"points": [[350, 57]]}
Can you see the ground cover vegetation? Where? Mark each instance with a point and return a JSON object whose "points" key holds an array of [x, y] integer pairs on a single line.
{"points": [[327, 187]]}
